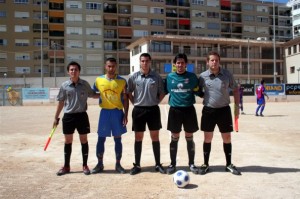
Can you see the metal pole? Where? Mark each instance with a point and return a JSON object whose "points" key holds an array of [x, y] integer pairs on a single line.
{"points": [[42, 71], [54, 65], [248, 64], [274, 45], [298, 74]]}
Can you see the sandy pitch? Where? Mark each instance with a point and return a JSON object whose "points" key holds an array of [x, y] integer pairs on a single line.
{"points": [[266, 150]]}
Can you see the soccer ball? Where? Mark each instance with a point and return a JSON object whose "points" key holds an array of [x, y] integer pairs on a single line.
{"points": [[181, 178]]}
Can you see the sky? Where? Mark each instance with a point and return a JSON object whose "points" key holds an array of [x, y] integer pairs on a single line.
{"points": [[278, 1]]}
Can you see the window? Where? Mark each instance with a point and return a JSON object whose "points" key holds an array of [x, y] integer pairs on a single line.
{"points": [[248, 18], [74, 17], [22, 56], [197, 2], [157, 10], [295, 49], [2, 13], [22, 42], [3, 42], [140, 21], [157, 33], [3, 28], [213, 26], [213, 15], [74, 4], [93, 6], [94, 44], [74, 30], [94, 57], [262, 19], [157, 22], [23, 15], [140, 9], [21, 1], [161, 46], [19, 28], [248, 7], [72, 57], [292, 69], [93, 31], [93, 18], [140, 33], [3, 56], [74, 44]]}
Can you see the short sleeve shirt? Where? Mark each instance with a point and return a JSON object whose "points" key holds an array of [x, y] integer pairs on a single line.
{"points": [[75, 96], [146, 89], [216, 88], [181, 88]]}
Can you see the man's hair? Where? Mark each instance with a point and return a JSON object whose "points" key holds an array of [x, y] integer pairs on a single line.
{"points": [[73, 63], [262, 81], [213, 53], [111, 59], [145, 55], [180, 56]]}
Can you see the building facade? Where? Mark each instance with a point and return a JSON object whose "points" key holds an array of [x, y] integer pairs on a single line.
{"points": [[39, 37], [249, 60]]}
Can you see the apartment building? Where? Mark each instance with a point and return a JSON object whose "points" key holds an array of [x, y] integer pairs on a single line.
{"points": [[39, 37], [295, 7], [249, 60]]}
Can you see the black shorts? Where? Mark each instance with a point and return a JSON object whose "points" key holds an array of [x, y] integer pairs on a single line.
{"points": [[79, 121], [216, 116], [142, 115], [185, 116]]}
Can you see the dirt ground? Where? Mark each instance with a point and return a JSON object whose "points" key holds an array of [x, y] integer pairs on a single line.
{"points": [[266, 150]]}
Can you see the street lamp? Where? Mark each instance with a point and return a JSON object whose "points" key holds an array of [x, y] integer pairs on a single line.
{"points": [[274, 45], [54, 71], [5, 75], [42, 71], [248, 63], [298, 70]]}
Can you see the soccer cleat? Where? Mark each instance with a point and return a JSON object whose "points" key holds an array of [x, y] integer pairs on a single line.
{"points": [[120, 169], [86, 170], [204, 169], [231, 168], [160, 168], [135, 169], [194, 169], [171, 169], [98, 168], [63, 171]]}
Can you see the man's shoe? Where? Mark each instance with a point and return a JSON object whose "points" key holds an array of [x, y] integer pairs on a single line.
{"points": [[160, 168], [194, 169], [98, 168], [63, 171], [120, 169], [135, 169], [261, 115], [243, 113], [231, 168], [171, 169], [256, 114], [86, 170], [204, 169]]}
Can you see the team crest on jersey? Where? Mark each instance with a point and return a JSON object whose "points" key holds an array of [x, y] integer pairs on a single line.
{"points": [[186, 81], [180, 85]]}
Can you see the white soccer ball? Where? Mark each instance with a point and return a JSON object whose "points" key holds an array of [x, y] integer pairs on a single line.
{"points": [[181, 178]]}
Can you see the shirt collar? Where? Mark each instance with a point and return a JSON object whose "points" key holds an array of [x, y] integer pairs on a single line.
{"points": [[70, 82]]}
